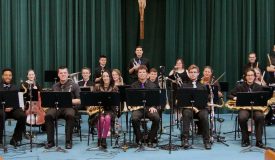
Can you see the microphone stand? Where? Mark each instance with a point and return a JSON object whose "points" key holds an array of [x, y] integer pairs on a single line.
{"points": [[5, 149]]}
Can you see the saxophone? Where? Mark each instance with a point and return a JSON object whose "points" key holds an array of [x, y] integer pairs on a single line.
{"points": [[91, 110], [231, 104]]}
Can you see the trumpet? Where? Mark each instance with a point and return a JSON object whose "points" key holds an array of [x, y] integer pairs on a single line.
{"points": [[135, 63], [178, 79], [74, 77]]}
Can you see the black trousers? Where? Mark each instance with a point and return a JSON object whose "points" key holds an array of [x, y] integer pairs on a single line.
{"points": [[17, 114], [202, 115], [65, 113], [258, 118], [154, 117]]}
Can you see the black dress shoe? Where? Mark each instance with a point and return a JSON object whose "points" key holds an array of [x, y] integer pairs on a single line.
{"points": [[99, 142], [245, 143], [207, 145], [68, 145], [185, 144], [14, 142], [103, 143], [260, 144], [49, 145]]}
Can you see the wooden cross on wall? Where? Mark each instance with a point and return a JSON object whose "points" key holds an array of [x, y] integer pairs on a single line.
{"points": [[142, 5]]}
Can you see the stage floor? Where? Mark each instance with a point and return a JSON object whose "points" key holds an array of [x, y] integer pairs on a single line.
{"points": [[79, 151]]}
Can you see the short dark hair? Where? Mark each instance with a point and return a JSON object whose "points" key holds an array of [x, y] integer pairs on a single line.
{"points": [[62, 67], [248, 70], [6, 69], [139, 46], [102, 56], [87, 68], [153, 70], [141, 67]]}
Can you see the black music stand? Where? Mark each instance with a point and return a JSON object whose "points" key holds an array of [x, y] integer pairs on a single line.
{"points": [[122, 93], [31, 95], [145, 98], [193, 97], [249, 100], [10, 99], [56, 100], [100, 99]]}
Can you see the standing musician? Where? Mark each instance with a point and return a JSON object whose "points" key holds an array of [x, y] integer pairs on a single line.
{"points": [[249, 86], [179, 73], [104, 123], [15, 113], [194, 72], [64, 85], [151, 113], [100, 69], [270, 66], [136, 62], [252, 62]]}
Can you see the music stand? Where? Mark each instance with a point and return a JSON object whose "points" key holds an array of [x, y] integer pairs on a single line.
{"points": [[249, 100], [100, 99], [56, 100], [193, 97], [122, 93], [145, 98], [10, 99]]}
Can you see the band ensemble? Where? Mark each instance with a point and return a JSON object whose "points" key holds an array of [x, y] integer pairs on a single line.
{"points": [[141, 76]]}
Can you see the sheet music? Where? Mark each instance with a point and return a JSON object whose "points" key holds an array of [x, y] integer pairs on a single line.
{"points": [[21, 100]]}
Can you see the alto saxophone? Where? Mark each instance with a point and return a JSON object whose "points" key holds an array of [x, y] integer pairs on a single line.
{"points": [[91, 110]]}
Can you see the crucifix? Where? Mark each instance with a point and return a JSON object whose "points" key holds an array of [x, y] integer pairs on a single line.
{"points": [[142, 5]]}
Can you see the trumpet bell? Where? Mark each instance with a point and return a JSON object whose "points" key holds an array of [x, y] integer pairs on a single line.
{"points": [[74, 77]]}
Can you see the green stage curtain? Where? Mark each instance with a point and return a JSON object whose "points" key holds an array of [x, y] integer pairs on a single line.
{"points": [[44, 34]]}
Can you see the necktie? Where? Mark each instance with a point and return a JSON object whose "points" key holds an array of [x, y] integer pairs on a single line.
{"points": [[139, 61], [142, 85], [85, 84]]}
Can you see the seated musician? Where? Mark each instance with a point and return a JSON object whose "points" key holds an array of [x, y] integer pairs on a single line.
{"points": [[117, 77], [84, 82], [153, 76], [64, 85], [104, 123], [151, 113], [15, 113], [202, 115], [37, 109], [208, 79], [249, 86], [259, 77]]}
